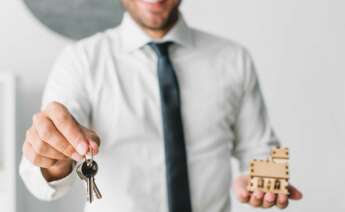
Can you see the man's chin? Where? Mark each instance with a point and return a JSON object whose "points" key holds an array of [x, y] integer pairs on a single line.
{"points": [[155, 27], [159, 21], [155, 23]]}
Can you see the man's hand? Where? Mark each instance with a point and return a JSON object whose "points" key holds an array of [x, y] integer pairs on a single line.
{"points": [[261, 199], [54, 139]]}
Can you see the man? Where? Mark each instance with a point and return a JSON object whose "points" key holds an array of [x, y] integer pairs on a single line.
{"points": [[169, 106]]}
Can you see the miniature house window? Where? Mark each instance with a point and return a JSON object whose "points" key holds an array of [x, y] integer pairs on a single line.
{"points": [[277, 185], [261, 183], [269, 185]]}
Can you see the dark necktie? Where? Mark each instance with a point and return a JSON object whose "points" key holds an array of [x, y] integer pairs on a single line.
{"points": [[174, 144]]}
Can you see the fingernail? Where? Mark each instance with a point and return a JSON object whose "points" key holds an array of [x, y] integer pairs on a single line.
{"points": [[257, 196], [75, 156], [270, 200], [94, 146], [82, 148], [94, 151]]}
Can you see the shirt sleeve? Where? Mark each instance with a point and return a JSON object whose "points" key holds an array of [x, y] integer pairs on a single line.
{"points": [[254, 136], [66, 85], [38, 185]]}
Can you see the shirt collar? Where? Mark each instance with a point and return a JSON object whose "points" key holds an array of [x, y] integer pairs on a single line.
{"points": [[133, 37]]}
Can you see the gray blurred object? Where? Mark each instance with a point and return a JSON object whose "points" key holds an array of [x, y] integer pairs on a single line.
{"points": [[77, 19]]}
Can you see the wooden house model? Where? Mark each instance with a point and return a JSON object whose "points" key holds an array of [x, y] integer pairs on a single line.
{"points": [[271, 175]]}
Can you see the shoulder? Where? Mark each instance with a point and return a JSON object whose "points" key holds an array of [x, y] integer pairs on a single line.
{"points": [[91, 47], [218, 44], [80, 56], [222, 50], [226, 52], [231, 57]]}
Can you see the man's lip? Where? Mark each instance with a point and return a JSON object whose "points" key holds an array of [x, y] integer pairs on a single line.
{"points": [[152, 1], [152, 4]]}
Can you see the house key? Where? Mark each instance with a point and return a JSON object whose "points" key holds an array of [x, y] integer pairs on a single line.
{"points": [[87, 171]]}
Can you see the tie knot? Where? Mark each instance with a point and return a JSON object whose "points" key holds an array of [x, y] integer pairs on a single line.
{"points": [[161, 49]]}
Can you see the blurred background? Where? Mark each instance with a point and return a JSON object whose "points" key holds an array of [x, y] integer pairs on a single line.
{"points": [[299, 49]]}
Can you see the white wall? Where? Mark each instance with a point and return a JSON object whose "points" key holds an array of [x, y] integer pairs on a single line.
{"points": [[28, 49], [298, 47]]}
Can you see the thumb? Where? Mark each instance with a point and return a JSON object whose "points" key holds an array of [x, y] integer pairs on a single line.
{"points": [[295, 194], [93, 139]]}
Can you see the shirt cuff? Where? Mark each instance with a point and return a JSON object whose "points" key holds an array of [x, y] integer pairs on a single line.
{"points": [[38, 185]]}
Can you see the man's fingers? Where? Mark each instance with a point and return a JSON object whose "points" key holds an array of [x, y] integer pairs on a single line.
{"points": [[35, 158], [261, 199], [69, 128], [282, 201], [295, 194], [243, 195], [47, 132], [94, 147], [256, 199], [269, 200], [93, 139], [240, 189], [41, 147]]}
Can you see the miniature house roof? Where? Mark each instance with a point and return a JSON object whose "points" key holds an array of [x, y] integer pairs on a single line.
{"points": [[280, 153]]}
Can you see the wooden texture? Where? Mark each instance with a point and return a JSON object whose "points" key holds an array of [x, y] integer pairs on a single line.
{"points": [[269, 169], [280, 153], [270, 175]]}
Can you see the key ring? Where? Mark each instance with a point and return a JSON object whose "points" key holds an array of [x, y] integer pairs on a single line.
{"points": [[89, 158]]}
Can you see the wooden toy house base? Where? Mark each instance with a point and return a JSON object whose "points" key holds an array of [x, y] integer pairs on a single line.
{"points": [[270, 175]]}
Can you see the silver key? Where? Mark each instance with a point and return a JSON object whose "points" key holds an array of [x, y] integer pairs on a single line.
{"points": [[83, 178], [96, 190], [88, 170], [89, 189]]}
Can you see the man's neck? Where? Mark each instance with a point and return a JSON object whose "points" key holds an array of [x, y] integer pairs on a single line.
{"points": [[156, 34]]}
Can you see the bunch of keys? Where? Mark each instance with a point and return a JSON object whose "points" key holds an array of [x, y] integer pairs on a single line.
{"points": [[86, 172]]}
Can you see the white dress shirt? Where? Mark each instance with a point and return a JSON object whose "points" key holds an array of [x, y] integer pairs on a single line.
{"points": [[109, 83]]}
